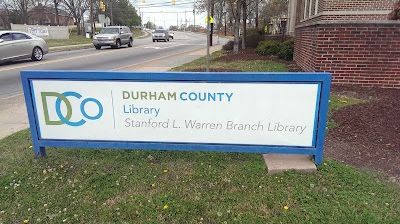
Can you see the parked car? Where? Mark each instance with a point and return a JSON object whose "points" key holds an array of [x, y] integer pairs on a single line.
{"points": [[114, 36], [15, 45], [171, 35], [160, 34]]}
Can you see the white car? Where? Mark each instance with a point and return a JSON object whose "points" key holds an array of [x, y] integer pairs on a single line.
{"points": [[15, 45]]}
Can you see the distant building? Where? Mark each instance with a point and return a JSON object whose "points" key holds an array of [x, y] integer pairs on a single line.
{"points": [[43, 15], [352, 39], [4, 19]]}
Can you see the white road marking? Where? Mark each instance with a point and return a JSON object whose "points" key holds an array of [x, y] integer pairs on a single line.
{"points": [[12, 96], [65, 59]]}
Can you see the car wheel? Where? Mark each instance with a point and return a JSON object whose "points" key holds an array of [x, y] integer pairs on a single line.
{"points": [[154, 40], [37, 54], [130, 42], [118, 44], [98, 47]]}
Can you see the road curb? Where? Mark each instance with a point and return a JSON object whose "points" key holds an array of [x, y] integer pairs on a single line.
{"points": [[70, 47]]}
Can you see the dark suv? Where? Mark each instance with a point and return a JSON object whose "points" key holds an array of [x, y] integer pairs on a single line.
{"points": [[113, 36]]}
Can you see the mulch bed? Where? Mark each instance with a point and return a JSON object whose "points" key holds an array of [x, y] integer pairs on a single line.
{"points": [[212, 70], [368, 134], [250, 54], [244, 55]]}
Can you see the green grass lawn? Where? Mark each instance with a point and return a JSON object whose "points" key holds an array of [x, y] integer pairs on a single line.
{"points": [[73, 40], [104, 186], [92, 186]]}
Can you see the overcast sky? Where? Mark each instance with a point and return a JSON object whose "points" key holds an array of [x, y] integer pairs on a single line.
{"points": [[164, 13]]}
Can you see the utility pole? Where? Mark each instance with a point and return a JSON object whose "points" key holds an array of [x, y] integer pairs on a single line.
{"points": [[141, 19], [91, 18], [194, 19], [225, 22], [210, 20], [111, 13], [208, 36]]}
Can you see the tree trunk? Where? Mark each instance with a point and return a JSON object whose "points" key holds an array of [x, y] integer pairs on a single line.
{"points": [[244, 33], [56, 9], [78, 26], [257, 14], [237, 27]]}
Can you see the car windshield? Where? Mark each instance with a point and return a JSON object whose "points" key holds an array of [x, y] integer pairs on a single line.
{"points": [[159, 31], [109, 31]]}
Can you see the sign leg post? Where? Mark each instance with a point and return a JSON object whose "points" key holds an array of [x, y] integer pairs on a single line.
{"points": [[318, 158], [40, 152]]}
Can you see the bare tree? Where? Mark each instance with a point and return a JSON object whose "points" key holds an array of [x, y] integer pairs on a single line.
{"points": [[395, 14], [235, 7], [22, 8], [6, 15], [77, 8], [274, 9]]}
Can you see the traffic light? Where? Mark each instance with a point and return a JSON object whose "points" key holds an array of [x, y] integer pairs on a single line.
{"points": [[102, 6]]}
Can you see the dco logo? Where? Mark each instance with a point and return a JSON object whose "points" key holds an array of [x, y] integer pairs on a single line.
{"points": [[66, 119]]}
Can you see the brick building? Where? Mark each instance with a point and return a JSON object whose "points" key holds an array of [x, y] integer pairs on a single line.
{"points": [[43, 15], [352, 39]]}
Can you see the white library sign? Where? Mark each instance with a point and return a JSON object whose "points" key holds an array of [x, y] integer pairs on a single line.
{"points": [[235, 113]]}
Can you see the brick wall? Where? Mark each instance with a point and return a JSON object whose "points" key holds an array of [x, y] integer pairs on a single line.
{"points": [[356, 53], [346, 10], [357, 5]]}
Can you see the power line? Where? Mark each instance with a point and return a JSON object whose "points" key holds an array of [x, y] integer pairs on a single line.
{"points": [[157, 6], [165, 4], [169, 12]]}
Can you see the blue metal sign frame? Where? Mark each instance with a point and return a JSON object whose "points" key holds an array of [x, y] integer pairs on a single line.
{"points": [[322, 79]]}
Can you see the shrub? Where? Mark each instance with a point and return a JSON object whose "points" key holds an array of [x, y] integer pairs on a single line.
{"points": [[286, 50], [229, 46], [253, 37], [268, 47]]}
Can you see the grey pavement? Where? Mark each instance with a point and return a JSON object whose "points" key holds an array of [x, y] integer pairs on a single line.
{"points": [[143, 56]]}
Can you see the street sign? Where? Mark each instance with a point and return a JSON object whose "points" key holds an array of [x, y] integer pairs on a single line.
{"points": [[211, 20], [233, 112]]}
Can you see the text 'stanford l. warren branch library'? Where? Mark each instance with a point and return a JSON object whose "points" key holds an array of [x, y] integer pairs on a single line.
{"points": [[356, 41], [235, 112]]}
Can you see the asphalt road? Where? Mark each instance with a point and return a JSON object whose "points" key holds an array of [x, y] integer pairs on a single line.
{"points": [[143, 56]]}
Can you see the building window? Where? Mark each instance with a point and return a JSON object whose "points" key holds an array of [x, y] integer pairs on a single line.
{"points": [[310, 8]]}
